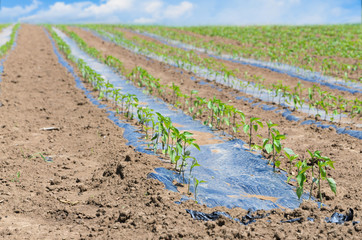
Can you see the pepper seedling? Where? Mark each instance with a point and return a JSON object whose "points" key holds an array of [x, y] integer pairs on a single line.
{"points": [[196, 184], [291, 157], [254, 123], [274, 147], [194, 164], [316, 159]]}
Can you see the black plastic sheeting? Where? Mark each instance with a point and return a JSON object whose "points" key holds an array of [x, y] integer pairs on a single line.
{"points": [[246, 99], [7, 54], [313, 80], [206, 216], [340, 218], [268, 107], [201, 72], [235, 177], [287, 114], [297, 220], [292, 71], [339, 130], [245, 220], [132, 135], [5, 34], [167, 176], [241, 171], [337, 218]]}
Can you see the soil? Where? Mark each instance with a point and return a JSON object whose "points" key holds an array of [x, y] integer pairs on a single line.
{"points": [[95, 186], [343, 149], [309, 52], [270, 77], [168, 74]]}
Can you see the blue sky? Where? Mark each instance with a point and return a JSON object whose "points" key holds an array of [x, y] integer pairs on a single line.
{"points": [[183, 12]]}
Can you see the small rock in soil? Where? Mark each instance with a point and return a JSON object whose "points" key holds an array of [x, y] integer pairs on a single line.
{"points": [[123, 216], [119, 171]]}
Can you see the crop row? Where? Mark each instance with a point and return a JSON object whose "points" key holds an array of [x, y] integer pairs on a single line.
{"points": [[314, 97], [159, 131], [4, 48], [221, 116], [292, 70], [306, 47]]}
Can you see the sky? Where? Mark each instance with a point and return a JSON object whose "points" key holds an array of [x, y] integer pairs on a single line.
{"points": [[183, 12]]}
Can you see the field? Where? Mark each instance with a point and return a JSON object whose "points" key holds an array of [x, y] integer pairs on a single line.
{"points": [[122, 131]]}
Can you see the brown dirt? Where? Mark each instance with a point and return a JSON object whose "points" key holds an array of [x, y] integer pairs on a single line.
{"points": [[344, 149], [215, 39], [97, 186], [341, 148], [243, 45], [168, 74], [270, 77]]}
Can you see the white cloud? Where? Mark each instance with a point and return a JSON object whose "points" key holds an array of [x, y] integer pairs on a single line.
{"points": [[153, 7], [110, 11], [144, 20], [107, 11], [183, 12], [177, 11], [109, 7], [159, 12], [13, 13]]}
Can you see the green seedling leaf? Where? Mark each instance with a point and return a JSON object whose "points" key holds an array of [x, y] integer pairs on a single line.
{"points": [[323, 171], [332, 185], [260, 124], [277, 163], [254, 119], [301, 179], [269, 148], [299, 192], [305, 169], [44, 158], [196, 146], [277, 145], [194, 165], [330, 163], [194, 91], [289, 151], [246, 128], [280, 137], [187, 134]]}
